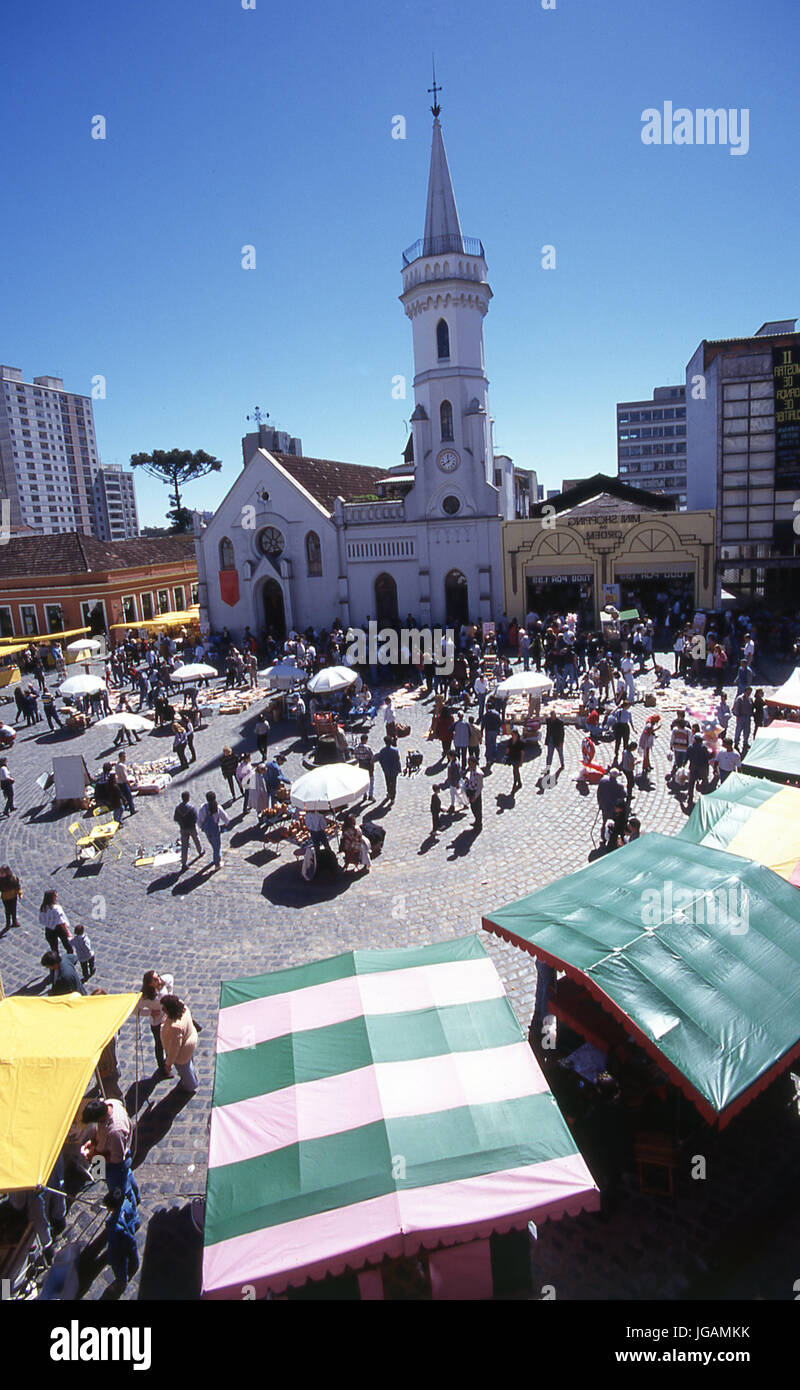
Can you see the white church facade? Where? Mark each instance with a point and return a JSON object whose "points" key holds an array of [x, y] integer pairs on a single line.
{"points": [[301, 542]]}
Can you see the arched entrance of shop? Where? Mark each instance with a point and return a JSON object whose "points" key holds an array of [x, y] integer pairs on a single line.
{"points": [[274, 611], [456, 598], [386, 600]]}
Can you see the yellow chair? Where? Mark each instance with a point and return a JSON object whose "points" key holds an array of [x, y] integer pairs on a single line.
{"points": [[106, 830], [87, 847]]}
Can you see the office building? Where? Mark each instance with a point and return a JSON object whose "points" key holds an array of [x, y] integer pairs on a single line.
{"points": [[651, 443]]}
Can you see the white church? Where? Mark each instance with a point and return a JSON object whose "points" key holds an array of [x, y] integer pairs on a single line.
{"points": [[302, 542]]}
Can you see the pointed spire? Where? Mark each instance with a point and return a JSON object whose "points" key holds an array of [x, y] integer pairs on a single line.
{"points": [[441, 214]]}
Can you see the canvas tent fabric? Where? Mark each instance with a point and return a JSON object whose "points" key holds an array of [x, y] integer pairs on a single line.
{"points": [[48, 1051], [775, 753], [788, 695], [368, 1105], [695, 951], [753, 817]]}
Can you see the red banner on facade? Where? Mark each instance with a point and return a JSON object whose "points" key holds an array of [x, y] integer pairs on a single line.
{"points": [[229, 587]]}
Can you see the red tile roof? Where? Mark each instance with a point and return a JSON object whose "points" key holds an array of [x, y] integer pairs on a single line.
{"points": [[326, 480], [73, 553]]}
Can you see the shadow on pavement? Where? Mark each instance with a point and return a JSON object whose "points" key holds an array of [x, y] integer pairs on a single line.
{"points": [[156, 1121], [286, 887], [172, 1261]]}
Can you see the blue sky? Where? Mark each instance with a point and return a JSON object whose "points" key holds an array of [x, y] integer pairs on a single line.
{"points": [[272, 127]]}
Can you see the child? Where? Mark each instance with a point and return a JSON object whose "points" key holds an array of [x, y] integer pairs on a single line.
{"points": [[82, 947], [436, 807]]}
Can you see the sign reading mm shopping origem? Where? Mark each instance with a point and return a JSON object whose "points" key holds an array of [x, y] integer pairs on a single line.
{"points": [[786, 379]]}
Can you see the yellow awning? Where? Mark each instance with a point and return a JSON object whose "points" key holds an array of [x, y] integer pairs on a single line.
{"points": [[188, 615], [48, 636], [48, 1051], [13, 651]]}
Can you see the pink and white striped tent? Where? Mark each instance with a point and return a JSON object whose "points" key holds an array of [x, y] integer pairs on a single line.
{"points": [[371, 1105]]}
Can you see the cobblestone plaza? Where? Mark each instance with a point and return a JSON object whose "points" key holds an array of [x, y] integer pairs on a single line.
{"points": [[258, 914]]}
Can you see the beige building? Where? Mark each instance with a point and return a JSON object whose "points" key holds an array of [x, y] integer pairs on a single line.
{"points": [[605, 542]]}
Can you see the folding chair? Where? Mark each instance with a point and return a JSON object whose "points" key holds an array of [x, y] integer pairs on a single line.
{"points": [[87, 847]]}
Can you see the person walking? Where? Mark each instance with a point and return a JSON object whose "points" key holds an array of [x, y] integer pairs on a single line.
{"points": [[389, 759], [727, 760], [647, 739], [7, 787], [179, 743], [154, 987], [492, 725], [272, 777], [84, 954], [453, 782], [461, 740], [699, 763], [623, 728], [366, 759], [608, 793], [436, 810], [50, 712], [473, 787], [480, 689], [244, 776], [179, 1039], [124, 783], [54, 922], [262, 729], [475, 738], [188, 729], [514, 757], [228, 764], [113, 796], [389, 720], [185, 817], [554, 739], [212, 820], [11, 892]]}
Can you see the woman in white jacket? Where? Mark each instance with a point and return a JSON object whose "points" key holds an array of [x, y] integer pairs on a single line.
{"points": [[154, 988]]}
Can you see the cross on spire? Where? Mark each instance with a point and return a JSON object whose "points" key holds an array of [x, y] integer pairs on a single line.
{"points": [[434, 90]]}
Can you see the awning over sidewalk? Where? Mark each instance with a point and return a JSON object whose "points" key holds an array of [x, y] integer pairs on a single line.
{"points": [[48, 1051], [371, 1104], [753, 817], [695, 951]]}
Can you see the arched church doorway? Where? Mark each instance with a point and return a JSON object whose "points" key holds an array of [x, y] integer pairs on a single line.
{"points": [[386, 610], [456, 598], [274, 611]]}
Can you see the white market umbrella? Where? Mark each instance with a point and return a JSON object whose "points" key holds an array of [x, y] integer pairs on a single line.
{"points": [[328, 787], [283, 674], [86, 644], [136, 722], [524, 683], [193, 671], [332, 679], [82, 685]]}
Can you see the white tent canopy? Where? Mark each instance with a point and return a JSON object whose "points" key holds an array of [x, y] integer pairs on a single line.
{"points": [[136, 722], [84, 644], [283, 675], [524, 683], [82, 685], [789, 693], [326, 788], [194, 671], [332, 679]]}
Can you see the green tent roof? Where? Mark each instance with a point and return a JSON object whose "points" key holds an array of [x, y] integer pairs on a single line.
{"points": [[774, 754], [697, 951]]}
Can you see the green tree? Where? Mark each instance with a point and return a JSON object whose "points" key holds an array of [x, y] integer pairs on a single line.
{"points": [[176, 468]]}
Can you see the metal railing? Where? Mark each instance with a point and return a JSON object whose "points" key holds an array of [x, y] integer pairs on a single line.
{"points": [[441, 246]]}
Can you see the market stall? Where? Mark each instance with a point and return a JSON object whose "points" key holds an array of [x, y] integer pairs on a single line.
{"points": [[9, 668], [775, 752], [376, 1106], [788, 695], [753, 817], [695, 951]]}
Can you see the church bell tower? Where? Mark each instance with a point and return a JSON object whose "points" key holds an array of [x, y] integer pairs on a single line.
{"points": [[446, 296]]}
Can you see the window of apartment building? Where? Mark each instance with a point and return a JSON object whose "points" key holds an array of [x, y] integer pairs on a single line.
{"points": [[195, 592], [54, 617], [129, 608], [163, 600], [147, 606], [6, 624], [179, 599], [28, 620]]}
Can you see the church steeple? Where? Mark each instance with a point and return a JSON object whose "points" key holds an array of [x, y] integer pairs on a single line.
{"points": [[442, 225]]}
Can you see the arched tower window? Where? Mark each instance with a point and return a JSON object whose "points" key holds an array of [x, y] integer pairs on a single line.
{"points": [[227, 554], [442, 340], [313, 554], [446, 420]]}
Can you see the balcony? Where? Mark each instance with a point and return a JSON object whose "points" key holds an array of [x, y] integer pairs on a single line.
{"points": [[441, 246], [368, 513]]}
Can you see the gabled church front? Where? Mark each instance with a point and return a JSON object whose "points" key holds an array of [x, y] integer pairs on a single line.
{"points": [[302, 542]]}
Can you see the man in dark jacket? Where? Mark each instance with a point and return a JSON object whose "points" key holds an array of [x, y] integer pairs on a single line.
{"points": [[389, 759], [63, 975], [554, 738], [699, 761], [185, 817]]}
